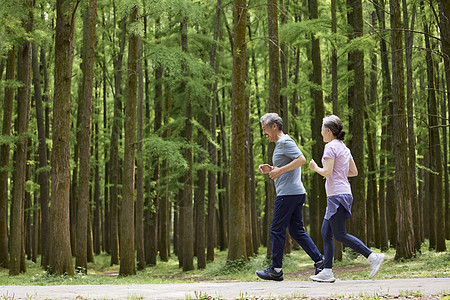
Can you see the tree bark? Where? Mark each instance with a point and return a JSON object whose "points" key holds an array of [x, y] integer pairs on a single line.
{"points": [[4, 159], [42, 149], [237, 201], [318, 198], [405, 238], [87, 66], [60, 254], [126, 242], [411, 130], [140, 249], [114, 155], [186, 209]]}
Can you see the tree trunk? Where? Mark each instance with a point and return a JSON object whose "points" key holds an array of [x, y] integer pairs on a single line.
{"points": [[114, 155], [318, 198], [85, 103], [444, 25], [411, 130], [42, 149], [373, 223], [4, 159], [405, 238], [437, 237], [17, 235], [186, 210], [274, 105], [127, 255], [60, 253], [356, 121], [386, 96], [212, 177], [140, 250], [237, 200]]}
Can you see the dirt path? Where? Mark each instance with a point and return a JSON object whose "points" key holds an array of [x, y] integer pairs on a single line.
{"points": [[424, 288]]}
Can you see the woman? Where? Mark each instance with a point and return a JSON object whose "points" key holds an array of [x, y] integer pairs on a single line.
{"points": [[338, 165]]}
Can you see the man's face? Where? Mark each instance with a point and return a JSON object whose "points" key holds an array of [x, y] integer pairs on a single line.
{"points": [[269, 131]]}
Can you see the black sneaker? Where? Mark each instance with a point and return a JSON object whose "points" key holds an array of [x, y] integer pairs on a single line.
{"points": [[270, 274], [318, 266]]}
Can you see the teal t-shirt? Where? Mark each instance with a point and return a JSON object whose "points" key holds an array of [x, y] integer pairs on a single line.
{"points": [[290, 183]]}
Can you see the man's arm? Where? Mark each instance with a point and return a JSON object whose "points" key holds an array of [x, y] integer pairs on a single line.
{"points": [[296, 163]]}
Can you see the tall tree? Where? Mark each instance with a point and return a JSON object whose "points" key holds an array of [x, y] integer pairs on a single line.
{"points": [[237, 249], [274, 104], [212, 177], [410, 112], [114, 146], [437, 237], [356, 100], [4, 158], [444, 26], [126, 242], [186, 210], [405, 233], [317, 201], [42, 149], [17, 235], [60, 253], [85, 103], [140, 245]]}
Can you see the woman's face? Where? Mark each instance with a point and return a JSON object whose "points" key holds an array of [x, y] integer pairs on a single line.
{"points": [[326, 134]]}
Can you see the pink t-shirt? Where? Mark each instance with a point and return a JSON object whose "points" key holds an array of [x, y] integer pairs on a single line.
{"points": [[337, 183]]}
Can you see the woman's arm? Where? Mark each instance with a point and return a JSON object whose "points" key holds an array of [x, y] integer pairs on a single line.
{"points": [[327, 169], [296, 163], [352, 170]]}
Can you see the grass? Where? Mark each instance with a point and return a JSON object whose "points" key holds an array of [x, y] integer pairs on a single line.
{"points": [[425, 264]]}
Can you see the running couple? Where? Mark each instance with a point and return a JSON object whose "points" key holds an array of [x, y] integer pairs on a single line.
{"points": [[338, 165]]}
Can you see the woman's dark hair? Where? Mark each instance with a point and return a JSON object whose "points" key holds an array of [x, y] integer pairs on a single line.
{"points": [[333, 123], [272, 118]]}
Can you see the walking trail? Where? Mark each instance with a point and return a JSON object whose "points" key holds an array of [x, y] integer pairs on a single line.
{"points": [[416, 288]]}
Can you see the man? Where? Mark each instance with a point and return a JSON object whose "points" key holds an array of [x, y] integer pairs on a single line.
{"points": [[286, 172]]}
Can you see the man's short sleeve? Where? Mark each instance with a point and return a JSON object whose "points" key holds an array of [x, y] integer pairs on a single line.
{"points": [[291, 149]]}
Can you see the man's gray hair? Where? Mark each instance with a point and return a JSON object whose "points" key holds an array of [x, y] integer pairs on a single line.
{"points": [[272, 118]]}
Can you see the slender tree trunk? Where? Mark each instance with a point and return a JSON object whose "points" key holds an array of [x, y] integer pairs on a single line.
{"points": [[17, 235], [444, 26], [212, 177], [42, 148], [405, 238], [386, 96], [140, 250], [274, 105], [97, 224], [411, 130], [88, 55], [60, 253], [317, 200], [127, 255], [4, 159], [237, 201], [114, 155], [356, 121], [224, 196], [186, 210], [373, 224], [334, 61]]}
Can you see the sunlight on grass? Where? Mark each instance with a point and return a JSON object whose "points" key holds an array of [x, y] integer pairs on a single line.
{"points": [[425, 264]]}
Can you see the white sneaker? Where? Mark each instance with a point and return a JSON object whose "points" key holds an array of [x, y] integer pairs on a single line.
{"points": [[326, 275], [375, 262]]}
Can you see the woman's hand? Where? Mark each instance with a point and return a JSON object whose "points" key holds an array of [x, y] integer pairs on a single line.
{"points": [[313, 165]]}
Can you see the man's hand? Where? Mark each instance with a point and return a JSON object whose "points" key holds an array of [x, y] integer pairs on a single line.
{"points": [[275, 173], [265, 168]]}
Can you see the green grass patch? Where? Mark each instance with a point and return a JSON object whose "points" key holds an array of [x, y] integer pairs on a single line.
{"points": [[425, 264]]}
